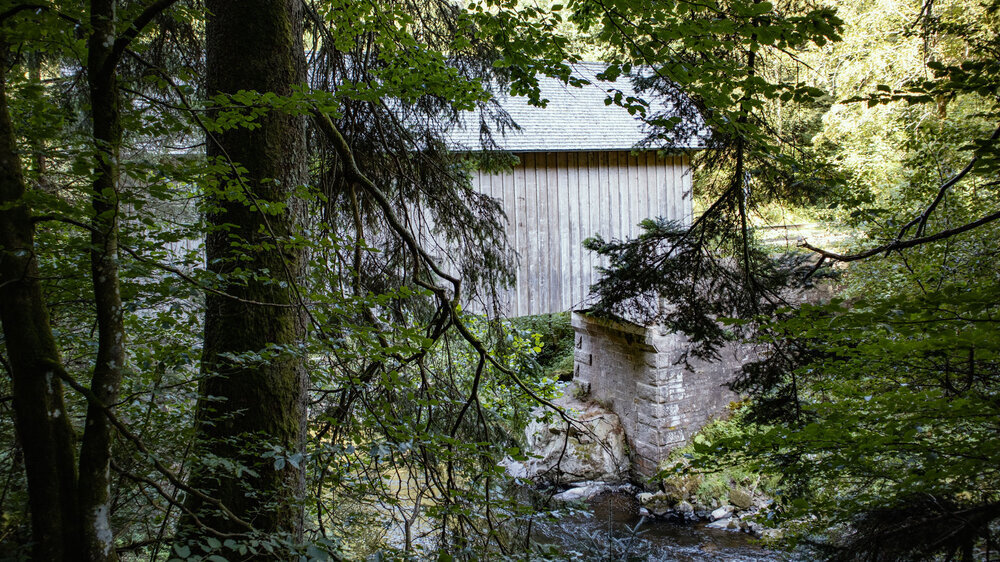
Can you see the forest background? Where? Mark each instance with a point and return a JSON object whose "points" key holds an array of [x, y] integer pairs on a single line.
{"points": [[224, 336]]}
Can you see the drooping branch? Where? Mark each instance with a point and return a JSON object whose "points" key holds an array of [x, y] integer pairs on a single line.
{"points": [[354, 173], [343, 149], [920, 221]]}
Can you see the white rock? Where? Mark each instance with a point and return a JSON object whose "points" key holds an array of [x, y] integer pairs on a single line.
{"points": [[719, 524], [514, 468], [593, 449], [723, 511], [579, 493]]}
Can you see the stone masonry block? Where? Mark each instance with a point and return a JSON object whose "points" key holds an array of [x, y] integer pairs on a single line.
{"points": [[651, 360], [650, 394], [651, 452], [649, 434], [645, 466], [663, 411], [673, 438], [664, 376], [643, 416]]}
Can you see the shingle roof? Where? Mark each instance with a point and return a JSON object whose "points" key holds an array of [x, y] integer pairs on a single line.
{"points": [[575, 119]]}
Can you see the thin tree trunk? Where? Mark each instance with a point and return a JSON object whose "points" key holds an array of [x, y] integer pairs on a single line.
{"points": [[248, 407], [95, 451], [41, 420]]}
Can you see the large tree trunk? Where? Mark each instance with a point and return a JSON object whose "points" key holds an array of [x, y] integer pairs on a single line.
{"points": [[247, 407], [40, 414]]}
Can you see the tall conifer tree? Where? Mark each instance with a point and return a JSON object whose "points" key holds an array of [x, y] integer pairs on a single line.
{"points": [[248, 407]]}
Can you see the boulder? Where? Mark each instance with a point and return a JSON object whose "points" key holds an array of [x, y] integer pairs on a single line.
{"points": [[659, 503], [718, 524], [741, 498], [722, 512], [727, 523], [593, 448], [680, 514], [752, 527], [680, 488], [700, 507], [577, 494]]}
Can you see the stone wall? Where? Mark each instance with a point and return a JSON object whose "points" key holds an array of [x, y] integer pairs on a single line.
{"points": [[639, 373]]}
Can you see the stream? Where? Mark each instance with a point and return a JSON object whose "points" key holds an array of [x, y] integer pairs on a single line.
{"points": [[610, 534]]}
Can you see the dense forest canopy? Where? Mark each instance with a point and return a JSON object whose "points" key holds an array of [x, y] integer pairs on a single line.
{"points": [[225, 335]]}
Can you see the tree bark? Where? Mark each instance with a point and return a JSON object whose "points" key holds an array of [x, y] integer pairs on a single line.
{"points": [[41, 419], [248, 407], [95, 450]]}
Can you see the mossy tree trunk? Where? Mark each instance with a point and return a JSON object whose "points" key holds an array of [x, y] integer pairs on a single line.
{"points": [[248, 407], [42, 423]]}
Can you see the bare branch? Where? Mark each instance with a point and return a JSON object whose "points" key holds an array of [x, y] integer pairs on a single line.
{"points": [[170, 499], [354, 174], [141, 447], [162, 266], [902, 244], [921, 220], [136, 27]]}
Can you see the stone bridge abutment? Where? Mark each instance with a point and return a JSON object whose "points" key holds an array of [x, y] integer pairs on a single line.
{"points": [[640, 373]]}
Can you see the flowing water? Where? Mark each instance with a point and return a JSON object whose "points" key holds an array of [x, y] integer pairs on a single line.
{"points": [[611, 533]]}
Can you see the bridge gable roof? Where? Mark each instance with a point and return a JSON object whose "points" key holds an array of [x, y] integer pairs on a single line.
{"points": [[575, 119]]}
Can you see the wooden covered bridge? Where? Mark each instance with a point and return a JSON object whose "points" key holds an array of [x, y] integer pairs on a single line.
{"points": [[579, 175]]}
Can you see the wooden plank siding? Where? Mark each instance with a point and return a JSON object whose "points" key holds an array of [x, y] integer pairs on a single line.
{"points": [[555, 200]]}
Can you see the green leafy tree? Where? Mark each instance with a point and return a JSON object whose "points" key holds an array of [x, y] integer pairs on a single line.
{"points": [[878, 410], [69, 501], [722, 66], [320, 281]]}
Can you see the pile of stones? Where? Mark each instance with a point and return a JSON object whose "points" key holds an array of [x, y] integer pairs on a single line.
{"points": [[733, 513]]}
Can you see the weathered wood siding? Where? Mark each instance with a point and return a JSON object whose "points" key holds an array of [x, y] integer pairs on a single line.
{"points": [[555, 200]]}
